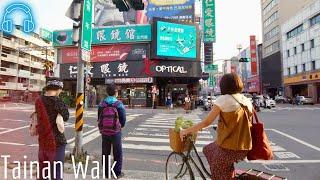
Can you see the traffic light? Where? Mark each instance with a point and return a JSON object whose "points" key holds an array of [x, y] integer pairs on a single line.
{"points": [[136, 4], [122, 5], [244, 60], [125, 5], [76, 17]]}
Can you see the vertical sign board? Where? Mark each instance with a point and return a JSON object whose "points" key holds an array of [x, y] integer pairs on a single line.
{"points": [[209, 21], [46, 34], [253, 55], [86, 33], [208, 55]]}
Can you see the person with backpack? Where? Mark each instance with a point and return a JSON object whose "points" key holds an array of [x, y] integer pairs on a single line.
{"points": [[111, 119], [235, 112]]}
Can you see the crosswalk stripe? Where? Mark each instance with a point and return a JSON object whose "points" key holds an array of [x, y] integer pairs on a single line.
{"points": [[159, 140], [152, 148], [166, 135], [166, 131]]}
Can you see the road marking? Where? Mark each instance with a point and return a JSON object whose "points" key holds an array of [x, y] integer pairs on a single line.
{"points": [[3, 128], [286, 155], [159, 140], [11, 143], [154, 126], [18, 120], [151, 148], [297, 140], [95, 133], [15, 129], [277, 148], [283, 161]]}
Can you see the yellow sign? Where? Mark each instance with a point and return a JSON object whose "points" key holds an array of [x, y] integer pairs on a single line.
{"points": [[302, 78], [168, 2]]}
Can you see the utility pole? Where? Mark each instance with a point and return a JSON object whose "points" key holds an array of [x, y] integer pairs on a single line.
{"points": [[81, 12]]}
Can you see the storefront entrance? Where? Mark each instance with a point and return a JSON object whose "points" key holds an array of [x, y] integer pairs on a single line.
{"points": [[301, 90]]}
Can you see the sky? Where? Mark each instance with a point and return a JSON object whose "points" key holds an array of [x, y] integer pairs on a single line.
{"points": [[235, 21]]}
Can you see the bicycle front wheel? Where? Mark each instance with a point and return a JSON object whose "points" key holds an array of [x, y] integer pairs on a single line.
{"points": [[177, 167]]}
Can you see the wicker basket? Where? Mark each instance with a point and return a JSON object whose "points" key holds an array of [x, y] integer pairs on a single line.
{"points": [[175, 142]]}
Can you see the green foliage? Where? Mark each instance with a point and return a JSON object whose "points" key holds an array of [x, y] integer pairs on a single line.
{"points": [[182, 123]]}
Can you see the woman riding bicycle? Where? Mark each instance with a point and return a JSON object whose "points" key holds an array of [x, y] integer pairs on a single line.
{"points": [[233, 133]]}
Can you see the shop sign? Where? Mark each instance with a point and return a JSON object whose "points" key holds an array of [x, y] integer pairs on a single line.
{"points": [[253, 55], [107, 35], [73, 71], [180, 10], [133, 80], [209, 20], [171, 69], [175, 41], [107, 53], [122, 70], [135, 69]]}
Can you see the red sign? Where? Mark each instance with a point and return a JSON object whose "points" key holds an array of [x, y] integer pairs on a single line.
{"points": [[254, 84], [253, 55], [118, 52]]}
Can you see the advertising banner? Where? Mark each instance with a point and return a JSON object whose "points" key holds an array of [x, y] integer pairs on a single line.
{"points": [[175, 41], [107, 35], [253, 55], [109, 53], [135, 69], [209, 20], [180, 10]]}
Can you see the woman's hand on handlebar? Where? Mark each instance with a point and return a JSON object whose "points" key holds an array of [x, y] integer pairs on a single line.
{"points": [[183, 134]]}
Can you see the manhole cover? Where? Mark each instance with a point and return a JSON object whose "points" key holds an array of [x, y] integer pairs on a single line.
{"points": [[276, 167]]}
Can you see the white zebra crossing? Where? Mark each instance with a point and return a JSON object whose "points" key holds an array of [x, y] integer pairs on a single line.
{"points": [[152, 134]]}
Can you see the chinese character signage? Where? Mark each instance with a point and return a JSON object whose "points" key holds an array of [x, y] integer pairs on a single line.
{"points": [[108, 35], [211, 68], [176, 41], [86, 34], [253, 55], [134, 69], [181, 10], [209, 21], [108, 53], [46, 34]]}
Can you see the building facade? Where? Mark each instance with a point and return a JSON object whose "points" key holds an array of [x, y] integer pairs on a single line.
{"points": [[22, 68], [300, 52], [273, 14]]}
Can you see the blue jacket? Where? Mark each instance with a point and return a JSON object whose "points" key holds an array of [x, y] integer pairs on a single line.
{"points": [[120, 108]]}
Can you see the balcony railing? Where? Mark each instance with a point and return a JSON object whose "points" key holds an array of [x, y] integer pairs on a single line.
{"points": [[24, 61], [8, 71], [24, 73], [8, 85], [9, 58]]}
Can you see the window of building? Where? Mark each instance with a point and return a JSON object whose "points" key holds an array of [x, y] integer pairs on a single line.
{"points": [[303, 67], [296, 69], [272, 33], [315, 19], [313, 65], [302, 47], [288, 53], [273, 47], [289, 73], [269, 7], [271, 19], [295, 31], [295, 50], [312, 43]]}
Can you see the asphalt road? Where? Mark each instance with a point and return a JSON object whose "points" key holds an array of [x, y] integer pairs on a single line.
{"points": [[293, 132]]}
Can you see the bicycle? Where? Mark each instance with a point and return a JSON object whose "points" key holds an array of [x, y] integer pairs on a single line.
{"points": [[182, 161], [183, 164]]}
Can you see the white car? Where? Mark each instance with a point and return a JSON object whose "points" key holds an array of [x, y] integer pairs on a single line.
{"points": [[269, 103]]}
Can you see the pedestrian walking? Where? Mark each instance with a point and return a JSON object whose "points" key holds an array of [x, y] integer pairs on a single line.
{"points": [[52, 141], [169, 102], [111, 119], [187, 105], [233, 133]]}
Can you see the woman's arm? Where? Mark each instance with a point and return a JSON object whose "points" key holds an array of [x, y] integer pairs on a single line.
{"points": [[203, 124]]}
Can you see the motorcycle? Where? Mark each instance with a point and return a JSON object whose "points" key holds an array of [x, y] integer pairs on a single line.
{"points": [[256, 105]]}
